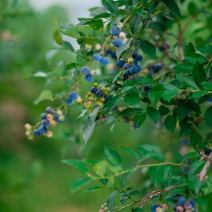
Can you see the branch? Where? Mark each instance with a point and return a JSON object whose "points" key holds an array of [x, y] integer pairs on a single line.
{"points": [[206, 168]]}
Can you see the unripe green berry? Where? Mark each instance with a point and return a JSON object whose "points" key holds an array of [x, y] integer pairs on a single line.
{"points": [[130, 60], [91, 98], [95, 84]]}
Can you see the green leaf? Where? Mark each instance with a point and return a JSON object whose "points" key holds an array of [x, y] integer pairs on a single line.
{"points": [[111, 200], [68, 46], [163, 110], [193, 57], [132, 99], [144, 81], [178, 155], [196, 167], [130, 111], [208, 117], [138, 210], [184, 68], [207, 86], [172, 6], [140, 118], [113, 157], [169, 91], [135, 23], [98, 11], [77, 164], [95, 188], [110, 5], [126, 176], [151, 151], [153, 114], [156, 93], [134, 193], [182, 112], [132, 152], [148, 48], [198, 73], [125, 47], [45, 95], [170, 123], [156, 174], [80, 182], [195, 138], [205, 48], [190, 82], [111, 102]]}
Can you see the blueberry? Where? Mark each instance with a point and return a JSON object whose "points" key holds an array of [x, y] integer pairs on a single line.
{"points": [[93, 90], [133, 70], [188, 205], [73, 95], [135, 62], [43, 116], [153, 207], [125, 77], [139, 68], [89, 78], [127, 66], [107, 51], [104, 61], [156, 68], [135, 126], [139, 58], [177, 196], [56, 118], [210, 100], [106, 99], [45, 123], [146, 89], [120, 63], [134, 55], [115, 107], [61, 119], [97, 57], [99, 94], [192, 201], [118, 42], [114, 30], [49, 110], [207, 151], [113, 55], [69, 101], [181, 201], [37, 133], [43, 130], [85, 71]]}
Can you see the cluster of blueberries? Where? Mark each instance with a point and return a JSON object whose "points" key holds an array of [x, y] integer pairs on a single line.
{"points": [[117, 42], [98, 95], [49, 119], [102, 60], [131, 65], [72, 96], [159, 208], [86, 71], [162, 45], [183, 205], [111, 53], [155, 68]]}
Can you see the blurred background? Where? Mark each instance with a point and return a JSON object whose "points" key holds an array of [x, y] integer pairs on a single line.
{"points": [[32, 177]]}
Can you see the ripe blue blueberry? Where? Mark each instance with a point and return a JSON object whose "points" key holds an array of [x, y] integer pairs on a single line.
{"points": [[99, 94], [69, 101], [114, 30], [125, 77], [56, 117], [134, 55], [135, 62], [104, 61], [45, 123], [188, 206], [97, 57], [207, 151], [89, 78], [146, 89], [192, 201], [153, 207], [118, 42], [181, 201], [139, 68], [93, 90], [133, 70], [73, 95], [106, 99], [139, 58], [49, 110], [177, 196], [43, 130], [113, 55], [127, 66], [85, 71], [43, 116], [120, 63], [156, 68], [37, 133]]}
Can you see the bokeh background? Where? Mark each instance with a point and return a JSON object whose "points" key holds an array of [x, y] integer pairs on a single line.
{"points": [[32, 177]]}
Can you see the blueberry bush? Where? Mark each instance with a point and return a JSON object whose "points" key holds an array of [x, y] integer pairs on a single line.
{"points": [[138, 67]]}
